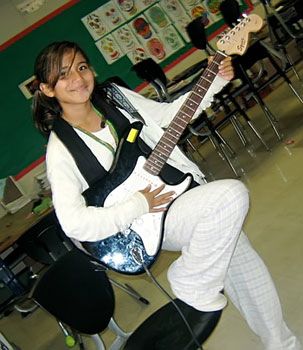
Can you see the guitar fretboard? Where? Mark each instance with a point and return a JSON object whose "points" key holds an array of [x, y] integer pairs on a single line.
{"points": [[172, 134]]}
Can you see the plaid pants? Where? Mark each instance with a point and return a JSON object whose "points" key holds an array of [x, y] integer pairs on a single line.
{"points": [[205, 224]]}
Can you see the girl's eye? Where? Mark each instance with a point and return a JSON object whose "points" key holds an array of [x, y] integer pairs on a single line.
{"points": [[83, 67]]}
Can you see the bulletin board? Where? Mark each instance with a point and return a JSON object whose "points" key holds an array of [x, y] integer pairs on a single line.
{"points": [[115, 34]]}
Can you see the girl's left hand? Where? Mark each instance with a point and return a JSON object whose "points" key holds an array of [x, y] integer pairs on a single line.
{"points": [[226, 69]]}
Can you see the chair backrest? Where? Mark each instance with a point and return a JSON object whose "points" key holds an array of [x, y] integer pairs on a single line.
{"points": [[230, 11], [45, 242], [150, 71], [77, 292], [196, 32]]}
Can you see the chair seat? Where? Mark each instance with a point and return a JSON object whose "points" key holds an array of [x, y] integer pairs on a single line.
{"points": [[165, 329]]}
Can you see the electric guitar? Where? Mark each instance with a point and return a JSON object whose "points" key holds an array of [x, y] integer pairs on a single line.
{"points": [[137, 246]]}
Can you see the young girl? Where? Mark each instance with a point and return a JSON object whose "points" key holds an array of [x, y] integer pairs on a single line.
{"points": [[204, 223]]}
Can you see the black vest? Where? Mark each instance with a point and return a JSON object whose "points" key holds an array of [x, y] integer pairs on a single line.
{"points": [[86, 161]]}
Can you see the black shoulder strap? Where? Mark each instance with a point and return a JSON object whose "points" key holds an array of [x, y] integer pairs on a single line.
{"points": [[86, 161], [116, 96]]}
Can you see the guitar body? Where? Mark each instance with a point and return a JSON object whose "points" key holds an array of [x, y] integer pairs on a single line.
{"points": [[140, 242]]}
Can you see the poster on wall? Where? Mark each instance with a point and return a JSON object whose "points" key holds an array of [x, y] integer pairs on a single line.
{"points": [[146, 28]]}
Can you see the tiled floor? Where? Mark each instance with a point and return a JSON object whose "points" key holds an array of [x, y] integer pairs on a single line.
{"points": [[274, 226]]}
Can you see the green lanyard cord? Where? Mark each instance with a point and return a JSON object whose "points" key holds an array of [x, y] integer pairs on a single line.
{"points": [[111, 129]]}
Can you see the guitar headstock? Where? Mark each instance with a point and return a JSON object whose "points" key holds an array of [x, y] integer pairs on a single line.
{"points": [[236, 40]]}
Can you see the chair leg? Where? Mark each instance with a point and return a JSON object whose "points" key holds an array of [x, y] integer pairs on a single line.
{"points": [[229, 113], [238, 128], [195, 149], [268, 114], [220, 147], [223, 142], [99, 345], [291, 64], [121, 336], [256, 132], [249, 122], [129, 290], [285, 77]]}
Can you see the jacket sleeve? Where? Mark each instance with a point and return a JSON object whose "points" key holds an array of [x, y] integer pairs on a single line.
{"points": [[79, 221], [163, 112]]}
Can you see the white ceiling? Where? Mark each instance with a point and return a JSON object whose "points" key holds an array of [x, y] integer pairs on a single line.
{"points": [[13, 22]]}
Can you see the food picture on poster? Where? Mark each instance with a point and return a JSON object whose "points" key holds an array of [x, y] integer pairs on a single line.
{"points": [[109, 49], [95, 24], [112, 15], [128, 8], [142, 28], [173, 9], [213, 6], [156, 49], [126, 38], [171, 39], [157, 17], [137, 54], [201, 11]]}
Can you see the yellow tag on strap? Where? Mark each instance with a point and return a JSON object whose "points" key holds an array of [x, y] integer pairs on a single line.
{"points": [[132, 135]]}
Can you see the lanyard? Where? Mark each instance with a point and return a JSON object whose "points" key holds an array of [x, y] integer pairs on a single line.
{"points": [[111, 129]]}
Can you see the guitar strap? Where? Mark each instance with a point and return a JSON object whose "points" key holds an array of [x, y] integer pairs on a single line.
{"points": [[115, 95], [85, 160]]}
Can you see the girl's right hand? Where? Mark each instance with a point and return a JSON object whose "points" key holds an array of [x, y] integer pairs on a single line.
{"points": [[155, 199]]}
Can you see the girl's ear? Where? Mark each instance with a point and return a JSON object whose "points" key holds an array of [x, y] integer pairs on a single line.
{"points": [[49, 92]]}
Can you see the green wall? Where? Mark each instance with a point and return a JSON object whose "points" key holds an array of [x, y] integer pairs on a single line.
{"points": [[20, 143]]}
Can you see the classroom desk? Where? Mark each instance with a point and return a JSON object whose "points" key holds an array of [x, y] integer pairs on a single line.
{"points": [[13, 226]]}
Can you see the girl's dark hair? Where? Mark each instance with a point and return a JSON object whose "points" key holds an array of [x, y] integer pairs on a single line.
{"points": [[47, 70]]}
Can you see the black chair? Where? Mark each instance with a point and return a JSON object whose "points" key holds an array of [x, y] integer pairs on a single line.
{"points": [[256, 53], [45, 243], [197, 34], [284, 24], [76, 291], [167, 90]]}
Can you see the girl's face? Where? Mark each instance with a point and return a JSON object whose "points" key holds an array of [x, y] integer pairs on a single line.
{"points": [[76, 81]]}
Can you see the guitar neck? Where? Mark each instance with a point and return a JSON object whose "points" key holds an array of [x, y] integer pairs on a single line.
{"points": [[171, 136]]}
